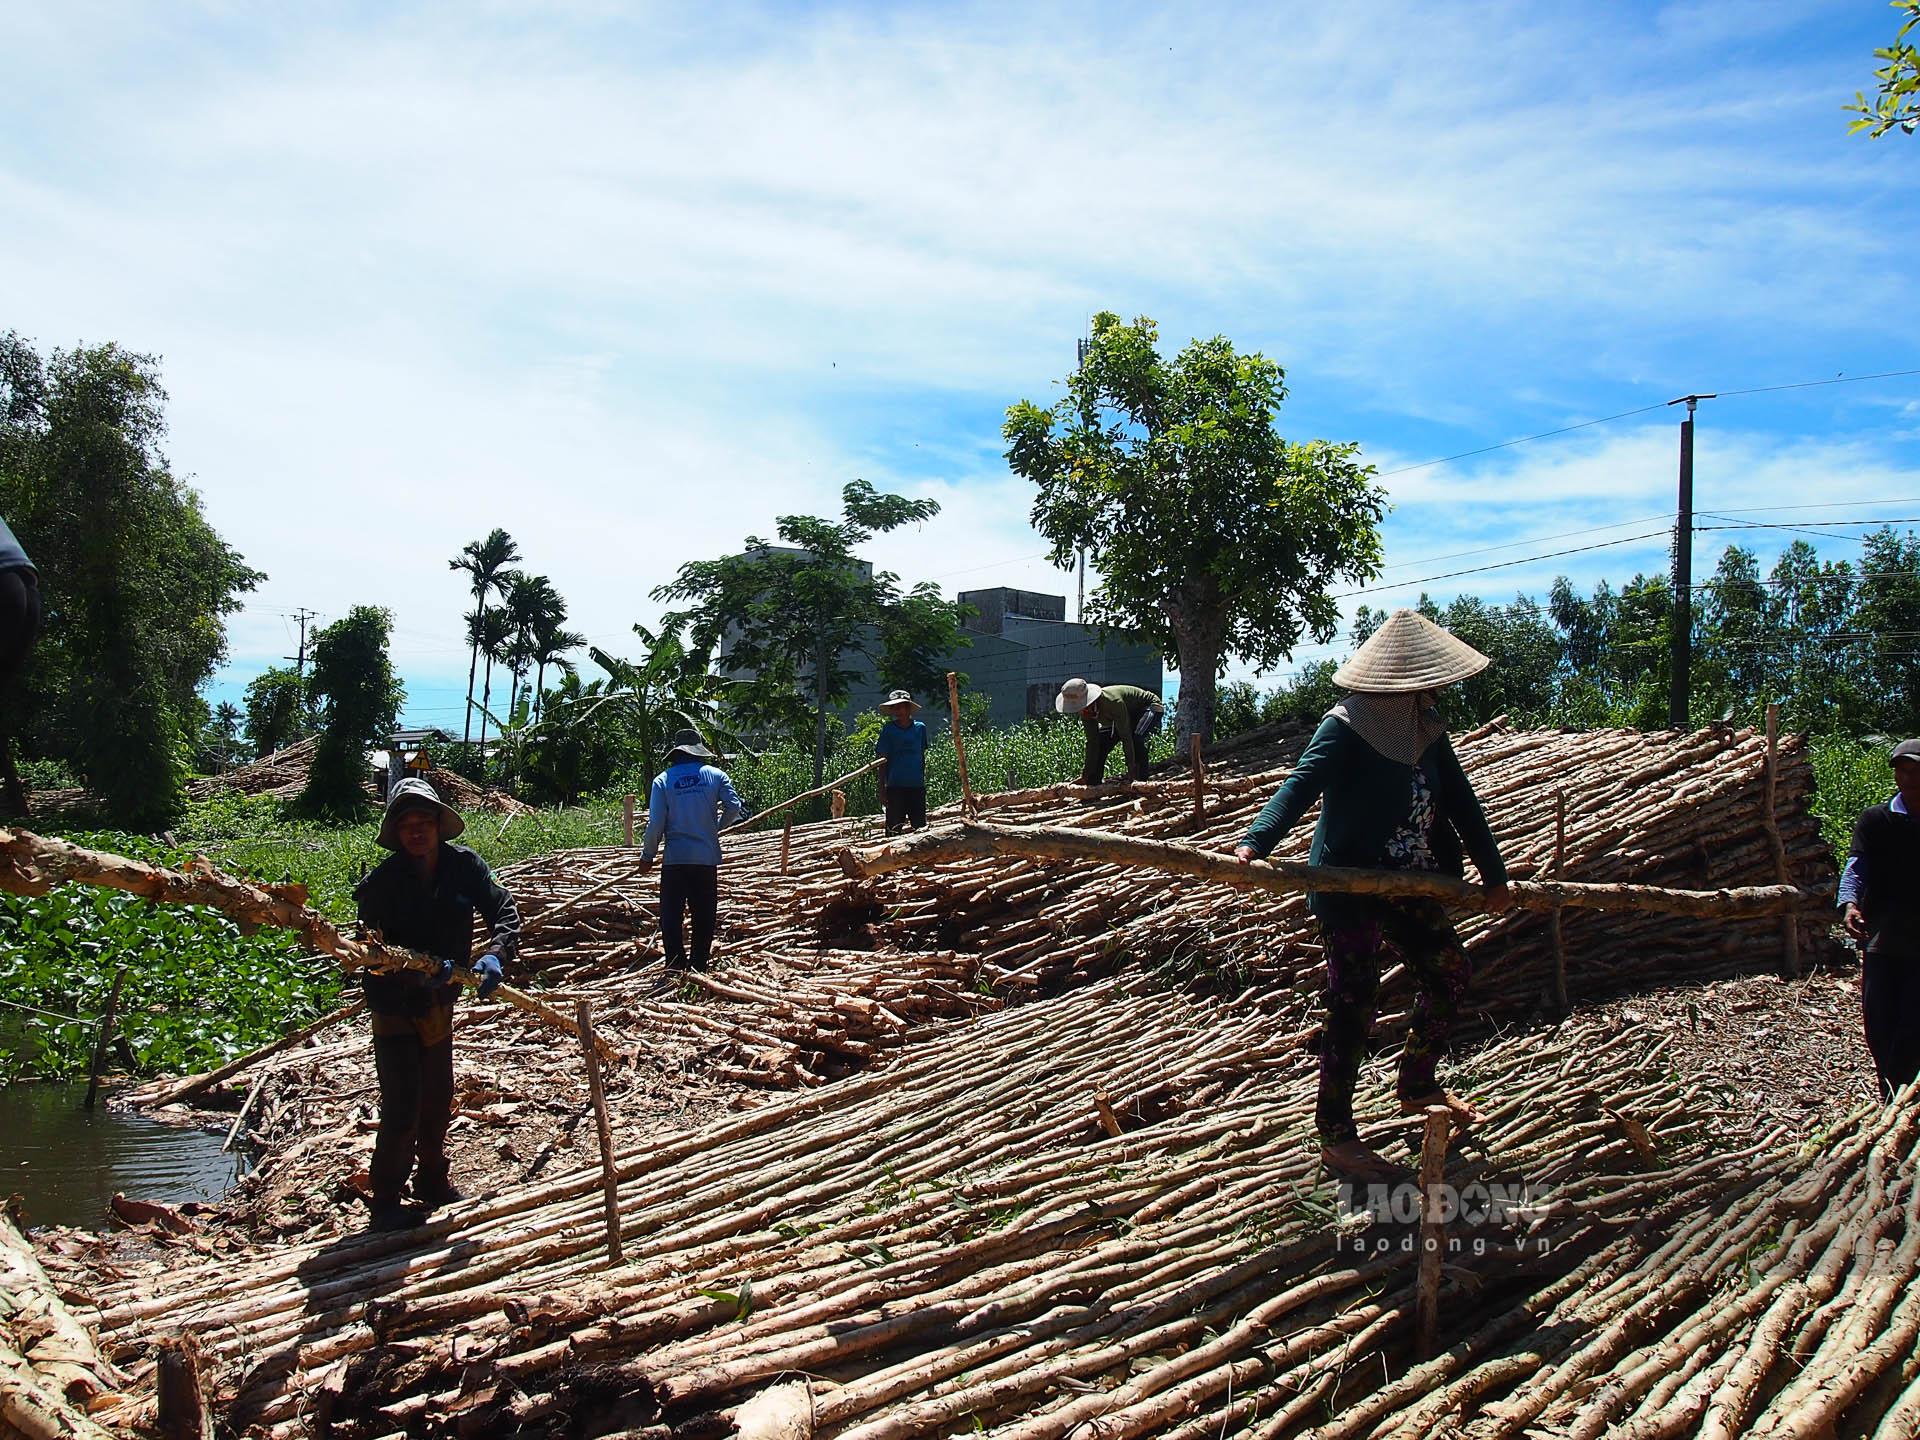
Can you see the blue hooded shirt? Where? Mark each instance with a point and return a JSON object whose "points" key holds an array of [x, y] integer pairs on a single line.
{"points": [[688, 804]]}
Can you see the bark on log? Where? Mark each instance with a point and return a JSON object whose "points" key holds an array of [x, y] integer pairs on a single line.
{"points": [[1045, 842], [57, 1347], [182, 1410], [1433, 1229], [609, 1175]]}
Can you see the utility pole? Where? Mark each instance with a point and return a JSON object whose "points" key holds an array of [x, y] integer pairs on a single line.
{"points": [[300, 660], [1681, 661], [1080, 349]]}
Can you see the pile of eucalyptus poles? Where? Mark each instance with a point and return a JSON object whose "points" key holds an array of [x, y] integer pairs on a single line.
{"points": [[1100, 1208]]}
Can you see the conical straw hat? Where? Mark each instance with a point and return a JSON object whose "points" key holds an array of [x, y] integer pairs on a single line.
{"points": [[1409, 653]]}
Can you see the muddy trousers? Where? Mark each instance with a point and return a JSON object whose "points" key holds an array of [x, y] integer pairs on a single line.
{"points": [[1890, 996], [684, 888], [1419, 931], [413, 1060]]}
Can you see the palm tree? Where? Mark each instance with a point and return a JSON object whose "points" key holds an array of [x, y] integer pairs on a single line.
{"points": [[550, 647], [487, 562], [496, 629], [531, 602]]}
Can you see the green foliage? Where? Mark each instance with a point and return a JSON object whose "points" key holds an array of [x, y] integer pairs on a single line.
{"points": [[219, 745], [1848, 776], [276, 709], [1214, 536], [198, 992], [359, 698], [1896, 103], [136, 584], [794, 618]]}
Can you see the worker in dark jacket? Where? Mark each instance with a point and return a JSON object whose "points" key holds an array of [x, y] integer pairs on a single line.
{"points": [[689, 804], [1114, 715], [1880, 891], [1392, 796], [424, 897], [19, 627]]}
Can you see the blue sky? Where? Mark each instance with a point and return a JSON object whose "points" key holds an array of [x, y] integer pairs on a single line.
{"points": [[631, 281]]}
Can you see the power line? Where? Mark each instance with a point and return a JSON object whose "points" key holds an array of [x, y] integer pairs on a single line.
{"points": [[1501, 564]]}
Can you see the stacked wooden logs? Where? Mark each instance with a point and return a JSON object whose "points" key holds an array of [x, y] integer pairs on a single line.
{"points": [[964, 1242]]}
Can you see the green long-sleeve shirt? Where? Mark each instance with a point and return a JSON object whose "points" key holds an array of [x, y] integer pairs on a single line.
{"points": [[1117, 710], [1365, 797]]}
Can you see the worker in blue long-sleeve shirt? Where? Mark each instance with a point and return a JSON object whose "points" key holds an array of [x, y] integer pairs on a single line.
{"points": [[688, 805], [1880, 896]]}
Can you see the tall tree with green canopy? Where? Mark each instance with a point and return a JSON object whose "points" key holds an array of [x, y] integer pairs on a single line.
{"points": [[276, 708], [793, 617], [489, 566], [359, 699], [136, 585], [1214, 536]]}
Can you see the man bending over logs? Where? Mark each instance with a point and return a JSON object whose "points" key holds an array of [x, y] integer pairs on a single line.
{"points": [[689, 803], [1114, 715], [1880, 889], [1393, 796], [424, 896]]}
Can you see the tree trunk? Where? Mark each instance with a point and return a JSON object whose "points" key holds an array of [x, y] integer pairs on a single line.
{"points": [[486, 702], [539, 688], [1197, 647], [473, 666], [820, 715]]}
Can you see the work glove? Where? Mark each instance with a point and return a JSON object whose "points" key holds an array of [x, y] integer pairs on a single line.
{"points": [[487, 967]]}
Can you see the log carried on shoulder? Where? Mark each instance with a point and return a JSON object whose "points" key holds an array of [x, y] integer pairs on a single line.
{"points": [[1046, 842], [32, 864]]}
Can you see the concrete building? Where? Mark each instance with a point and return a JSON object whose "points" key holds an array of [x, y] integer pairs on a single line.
{"points": [[1023, 647]]}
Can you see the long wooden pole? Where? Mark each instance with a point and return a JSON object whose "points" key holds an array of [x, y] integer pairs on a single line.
{"points": [[793, 800], [1433, 1229], [609, 1175], [195, 1084], [1561, 1003], [32, 864], [105, 1037], [626, 820], [1041, 842], [1789, 927], [959, 743], [1199, 779]]}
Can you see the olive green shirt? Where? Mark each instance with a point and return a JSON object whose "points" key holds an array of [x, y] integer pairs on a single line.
{"points": [[1117, 710]]}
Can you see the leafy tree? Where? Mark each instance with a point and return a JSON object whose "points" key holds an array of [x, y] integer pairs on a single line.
{"points": [[1305, 699], [1887, 618], [1215, 537], [531, 604], [795, 618], [488, 564], [1236, 709], [220, 738], [551, 644], [1896, 104], [359, 699], [136, 584], [276, 709]]}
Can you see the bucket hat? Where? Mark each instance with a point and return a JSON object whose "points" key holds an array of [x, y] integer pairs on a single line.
{"points": [[687, 743], [1075, 696], [1905, 750], [413, 793], [1409, 653], [898, 698]]}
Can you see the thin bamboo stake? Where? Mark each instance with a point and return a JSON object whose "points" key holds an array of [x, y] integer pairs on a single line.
{"points": [[1045, 842], [1789, 927], [105, 1037], [794, 800], [609, 1174], [959, 743], [1433, 1227], [253, 1094], [1199, 778], [786, 842], [626, 820]]}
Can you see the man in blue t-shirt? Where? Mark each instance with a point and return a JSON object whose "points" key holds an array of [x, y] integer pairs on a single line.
{"points": [[902, 748], [19, 624], [689, 804]]}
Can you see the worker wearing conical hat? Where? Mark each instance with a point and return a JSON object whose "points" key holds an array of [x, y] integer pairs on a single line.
{"points": [[1393, 796]]}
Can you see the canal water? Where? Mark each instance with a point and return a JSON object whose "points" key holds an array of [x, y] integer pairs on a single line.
{"points": [[66, 1162]]}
